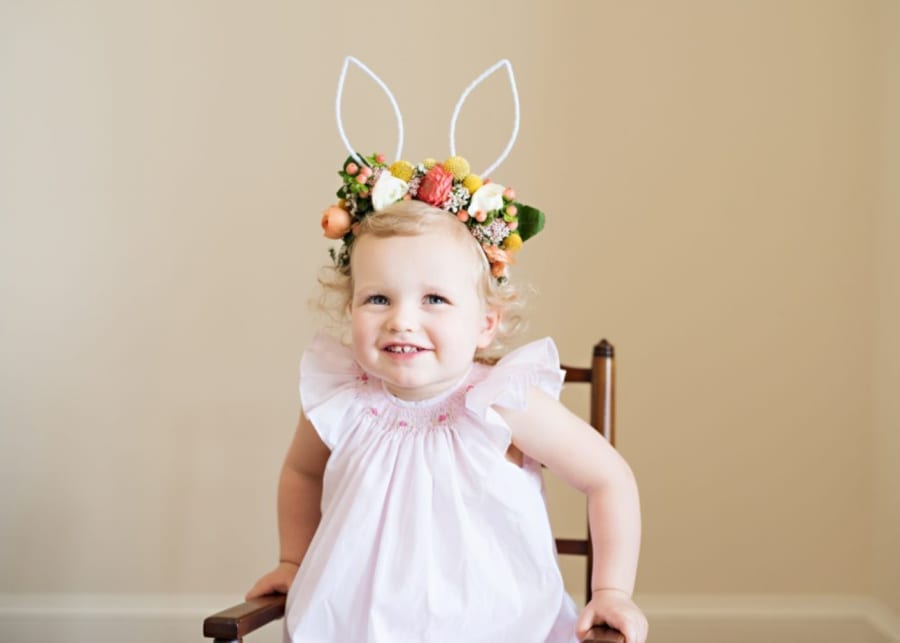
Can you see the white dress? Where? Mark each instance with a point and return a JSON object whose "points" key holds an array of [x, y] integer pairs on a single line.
{"points": [[428, 532]]}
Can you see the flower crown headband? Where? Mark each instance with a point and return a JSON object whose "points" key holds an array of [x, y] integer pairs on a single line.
{"points": [[499, 222]]}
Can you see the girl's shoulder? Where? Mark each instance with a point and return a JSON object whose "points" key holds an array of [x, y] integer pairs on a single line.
{"points": [[327, 366], [330, 384], [507, 382]]}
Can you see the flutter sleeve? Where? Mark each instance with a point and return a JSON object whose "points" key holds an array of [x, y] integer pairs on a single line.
{"points": [[508, 381], [329, 385]]}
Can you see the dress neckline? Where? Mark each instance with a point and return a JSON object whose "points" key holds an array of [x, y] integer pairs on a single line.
{"points": [[428, 401]]}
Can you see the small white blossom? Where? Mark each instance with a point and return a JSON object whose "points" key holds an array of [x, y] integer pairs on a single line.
{"points": [[494, 233], [388, 189], [414, 183], [457, 199], [487, 198]]}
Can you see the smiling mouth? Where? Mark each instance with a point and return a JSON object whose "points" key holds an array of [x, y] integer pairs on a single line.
{"points": [[403, 348]]}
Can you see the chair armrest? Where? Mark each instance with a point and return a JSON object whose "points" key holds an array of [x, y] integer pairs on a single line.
{"points": [[240, 620], [603, 634]]}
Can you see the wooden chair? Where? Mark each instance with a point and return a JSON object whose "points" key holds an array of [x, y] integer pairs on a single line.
{"points": [[232, 624]]}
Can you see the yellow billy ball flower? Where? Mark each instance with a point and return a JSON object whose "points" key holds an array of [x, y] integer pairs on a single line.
{"points": [[429, 163], [403, 170], [513, 242], [472, 183], [457, 166]]}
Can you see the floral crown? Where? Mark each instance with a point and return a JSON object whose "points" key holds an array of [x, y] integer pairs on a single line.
{"points": [[497, 221], [491, 212]]}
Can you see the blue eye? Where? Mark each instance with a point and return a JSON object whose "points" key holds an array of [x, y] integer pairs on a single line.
{"points": [[378, 300], [435, 299]]}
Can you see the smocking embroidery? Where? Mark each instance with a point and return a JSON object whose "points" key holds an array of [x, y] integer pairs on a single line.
{"points": [[416, 420]]}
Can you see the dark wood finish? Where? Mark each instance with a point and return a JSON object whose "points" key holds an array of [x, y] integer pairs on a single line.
{"points": [[603, 393], [232, 624], [602, 378], [572, 546], [578, 374], [238, 621], [603, 634]]}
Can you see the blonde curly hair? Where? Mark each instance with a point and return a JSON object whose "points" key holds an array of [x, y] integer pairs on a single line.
{"points": [[411, 218]]}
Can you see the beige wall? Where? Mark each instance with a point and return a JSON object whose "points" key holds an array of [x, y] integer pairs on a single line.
{"points": [[886, 532], [731, 239], [710, 171]]}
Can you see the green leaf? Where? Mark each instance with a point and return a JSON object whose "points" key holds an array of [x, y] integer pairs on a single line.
{"points": [[531, 221]]}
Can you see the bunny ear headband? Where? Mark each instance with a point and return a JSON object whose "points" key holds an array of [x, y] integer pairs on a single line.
{"points": [[490, 210]]}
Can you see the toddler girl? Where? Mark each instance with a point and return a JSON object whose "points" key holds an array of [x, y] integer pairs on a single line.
{"points": [[410, 503]]}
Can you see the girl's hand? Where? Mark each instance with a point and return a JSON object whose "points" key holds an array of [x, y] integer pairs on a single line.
{"points": [[614, 608], [277, 581]]}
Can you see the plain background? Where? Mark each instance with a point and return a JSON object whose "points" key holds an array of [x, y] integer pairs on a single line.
{"points": [[721, 184]]}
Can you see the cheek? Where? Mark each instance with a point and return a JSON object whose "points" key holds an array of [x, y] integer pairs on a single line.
{"points": [[356, 324], [360, 340], [468, 330], [358, 327]]}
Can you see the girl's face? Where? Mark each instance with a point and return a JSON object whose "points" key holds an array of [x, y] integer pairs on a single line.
{"points": [[417, 313]]}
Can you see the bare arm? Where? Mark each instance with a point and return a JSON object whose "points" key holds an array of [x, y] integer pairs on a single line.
{"points": [[548, 432], [299, 499]]}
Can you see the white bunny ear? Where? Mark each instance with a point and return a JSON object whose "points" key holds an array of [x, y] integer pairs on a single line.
{"points": [[340, 95], [462, 99]]}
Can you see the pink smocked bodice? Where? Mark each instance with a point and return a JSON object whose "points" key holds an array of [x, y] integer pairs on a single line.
{"points": [[428, 531]]}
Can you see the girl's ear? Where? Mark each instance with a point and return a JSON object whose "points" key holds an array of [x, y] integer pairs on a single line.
{"points": [[490, 328]]}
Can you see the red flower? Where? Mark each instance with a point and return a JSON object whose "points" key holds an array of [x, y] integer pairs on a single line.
{"points": [[436, 186]]}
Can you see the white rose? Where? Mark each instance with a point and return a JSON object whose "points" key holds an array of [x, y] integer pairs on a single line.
{"points": [[388, 189], [487, 198]]}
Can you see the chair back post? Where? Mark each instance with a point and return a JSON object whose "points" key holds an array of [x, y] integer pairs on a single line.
{"points": [[603, 390], [603, 418]]}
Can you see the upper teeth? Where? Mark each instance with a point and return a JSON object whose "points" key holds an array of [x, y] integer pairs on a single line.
{"points": [[402, 349]]}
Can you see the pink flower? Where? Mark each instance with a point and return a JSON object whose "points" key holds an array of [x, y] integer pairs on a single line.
{"points": [[335, 222], [352, 168], [495, 253], [436, 186], [498, 258]]}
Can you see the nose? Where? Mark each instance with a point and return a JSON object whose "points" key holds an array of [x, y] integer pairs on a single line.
{"points": [[403, 318]]}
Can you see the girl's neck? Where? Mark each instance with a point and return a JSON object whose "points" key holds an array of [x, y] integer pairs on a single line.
{"points": [[431, 399]]}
